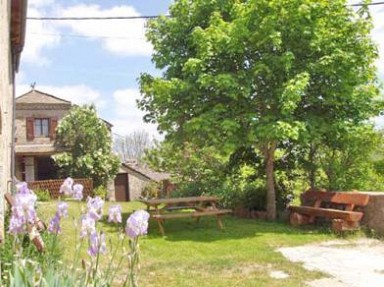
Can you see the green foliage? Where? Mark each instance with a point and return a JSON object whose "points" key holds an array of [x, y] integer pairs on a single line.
{"points": [[86, 142], [195, 170], [100, 191], [347, 160], [17, 272], [259, 73], [42, 194], [151, 190]]}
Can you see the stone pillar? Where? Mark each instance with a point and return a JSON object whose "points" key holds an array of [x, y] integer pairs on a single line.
{"points": [[374, 212], [29, 168]]}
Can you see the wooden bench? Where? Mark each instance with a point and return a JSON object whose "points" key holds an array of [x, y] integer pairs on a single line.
{"points": [[160, 218], [344, 209], [33, 229]]}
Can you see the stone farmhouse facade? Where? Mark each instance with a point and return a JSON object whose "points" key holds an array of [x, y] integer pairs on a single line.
{"points": [[12, 34], [37, 116]]}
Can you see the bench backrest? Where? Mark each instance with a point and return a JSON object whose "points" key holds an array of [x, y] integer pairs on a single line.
{"points": [[349, 199]]}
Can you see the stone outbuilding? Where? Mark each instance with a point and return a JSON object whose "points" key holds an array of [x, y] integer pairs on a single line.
{"points": [[132, 180]]}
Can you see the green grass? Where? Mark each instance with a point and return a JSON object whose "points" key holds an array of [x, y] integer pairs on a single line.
{"points": [[200, 254]]}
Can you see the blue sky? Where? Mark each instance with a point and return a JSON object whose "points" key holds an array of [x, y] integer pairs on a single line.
{"points": [[99, 61]]}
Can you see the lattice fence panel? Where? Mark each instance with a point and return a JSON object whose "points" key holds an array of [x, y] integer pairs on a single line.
{"points": [[53, 186]]}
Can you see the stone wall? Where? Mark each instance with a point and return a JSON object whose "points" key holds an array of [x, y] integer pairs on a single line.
{"points": [[374, 212], [6, 105], [137, 184], [21, 116]]}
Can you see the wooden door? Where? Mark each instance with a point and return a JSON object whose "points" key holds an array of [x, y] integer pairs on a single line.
{"points": [[121, 187]]}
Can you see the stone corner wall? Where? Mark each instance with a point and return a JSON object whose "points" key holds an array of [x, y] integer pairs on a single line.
{"points": [[374, 212]]}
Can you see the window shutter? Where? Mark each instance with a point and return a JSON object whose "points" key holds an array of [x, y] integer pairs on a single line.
{"points": [[52, 128], [29, 128]]}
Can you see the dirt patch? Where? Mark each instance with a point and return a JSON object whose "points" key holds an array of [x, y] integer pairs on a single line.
{"points": [[357, 263]]}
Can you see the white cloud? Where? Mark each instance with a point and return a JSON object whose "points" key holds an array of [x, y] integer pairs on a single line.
{"points": [[378, 35], [77, 94], [120, 37], [40, 3], [39, 36], [127, 116]]}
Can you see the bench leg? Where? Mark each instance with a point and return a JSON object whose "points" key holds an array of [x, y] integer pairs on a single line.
{"points": [[161, 227], [339, 225]]}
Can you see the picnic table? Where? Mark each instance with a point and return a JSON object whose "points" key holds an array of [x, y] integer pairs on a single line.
{"points": [[181, 207]]}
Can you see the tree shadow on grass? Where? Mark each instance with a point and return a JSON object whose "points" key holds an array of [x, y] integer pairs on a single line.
{"points": [[206, 230]]}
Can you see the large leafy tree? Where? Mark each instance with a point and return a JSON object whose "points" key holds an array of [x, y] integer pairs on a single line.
{"points": [[87, 143], [259, 73]]}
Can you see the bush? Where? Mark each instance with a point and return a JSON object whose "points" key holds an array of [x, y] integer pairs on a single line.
{"points": [[151, 190], [42, 194], [100, 191]]}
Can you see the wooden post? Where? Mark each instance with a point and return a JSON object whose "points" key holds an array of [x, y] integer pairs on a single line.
{"points": [[161, 227]]}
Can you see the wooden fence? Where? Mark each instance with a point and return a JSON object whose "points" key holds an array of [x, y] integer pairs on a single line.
{"points": [[53, 186]]}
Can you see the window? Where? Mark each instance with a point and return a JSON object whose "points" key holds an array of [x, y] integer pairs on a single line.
{"points": [[41, 127]]}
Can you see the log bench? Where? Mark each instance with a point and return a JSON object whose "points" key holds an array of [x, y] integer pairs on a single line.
{"points": [[160, 218], [344, 209]]}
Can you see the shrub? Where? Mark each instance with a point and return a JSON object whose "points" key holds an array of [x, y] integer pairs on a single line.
{"points": [[151, 190], [42, 194], [100, 191]]}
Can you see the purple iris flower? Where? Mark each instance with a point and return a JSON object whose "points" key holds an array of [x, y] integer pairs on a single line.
{"points": [[23, 210], [97, 244], [22, 188], [88, 225], [77, 192], [62, 209], [54, 225], [25, 206], [137, 224], [95, 207], [16, 225], [114, 214], [66, 187]]}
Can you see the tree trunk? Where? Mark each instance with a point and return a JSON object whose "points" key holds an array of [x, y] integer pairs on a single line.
{"points": [[269, 157], [312, 166]]}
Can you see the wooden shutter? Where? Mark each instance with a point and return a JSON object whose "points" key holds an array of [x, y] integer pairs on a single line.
{"points": [[30, 129], [52, 128]]}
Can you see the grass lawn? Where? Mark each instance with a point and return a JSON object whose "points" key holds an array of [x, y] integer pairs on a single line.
{"points": [[200, 254]]}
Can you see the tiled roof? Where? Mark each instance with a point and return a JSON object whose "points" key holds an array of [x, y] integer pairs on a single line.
{"points": [[150, 174], [37, 97]]}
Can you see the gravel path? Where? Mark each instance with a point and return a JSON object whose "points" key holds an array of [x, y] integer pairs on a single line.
{"points": [[357, 263]]}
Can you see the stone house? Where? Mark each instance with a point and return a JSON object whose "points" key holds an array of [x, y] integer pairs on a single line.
{"points": [[37, 117], [12, 34]]}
